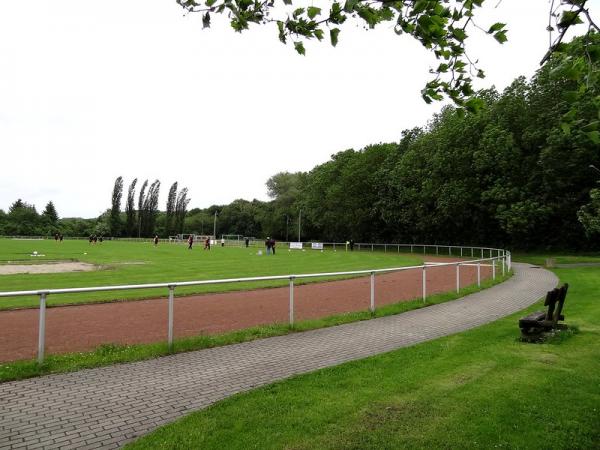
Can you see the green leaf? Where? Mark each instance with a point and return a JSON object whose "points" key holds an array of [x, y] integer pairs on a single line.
{"points": [[333, 35], [299, 46], [298, 12], [569, 18], [459, 34], [496, 27], [281, 28], [500, 36], [349, 5], [313, 11]]}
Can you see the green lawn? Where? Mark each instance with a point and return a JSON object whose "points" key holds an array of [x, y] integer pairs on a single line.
{"points": [[169, 262], [478, 389]]}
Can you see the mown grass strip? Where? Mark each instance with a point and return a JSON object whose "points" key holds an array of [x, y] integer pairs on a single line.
{"points": [[112, 354]]}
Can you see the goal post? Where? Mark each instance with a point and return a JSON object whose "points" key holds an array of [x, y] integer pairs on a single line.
{"points": [[236, 240], [198, 238], [232, 240]]}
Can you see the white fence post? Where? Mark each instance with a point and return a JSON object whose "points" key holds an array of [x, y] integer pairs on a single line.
{"points": [[292, 301], [42, 329], [449, 250], [437, 250], [503, 264], [424, 283], [493, 269], [170, 330], [372, 307], [458, 278], [461, 251], [478, 274]]}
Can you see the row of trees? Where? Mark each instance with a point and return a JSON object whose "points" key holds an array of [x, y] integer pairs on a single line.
{"points": [[142, 222], [145, 220], [24, 220]]}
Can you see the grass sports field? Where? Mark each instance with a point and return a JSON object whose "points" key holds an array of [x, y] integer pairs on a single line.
{"points": [[478, 389], [121, 262]]}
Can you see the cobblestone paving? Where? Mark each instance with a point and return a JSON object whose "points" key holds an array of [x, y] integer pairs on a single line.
{"points": [[107, 407]]}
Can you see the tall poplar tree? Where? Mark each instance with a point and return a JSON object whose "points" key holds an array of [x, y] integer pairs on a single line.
{"points": [[181, 205], [140, 213], [150, 209], [170, 216], [130, 225], [115, 223]]}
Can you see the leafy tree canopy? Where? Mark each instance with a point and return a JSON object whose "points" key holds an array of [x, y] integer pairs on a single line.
{"points": [[441, 26]]}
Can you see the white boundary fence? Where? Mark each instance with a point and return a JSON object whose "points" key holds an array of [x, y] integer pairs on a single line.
{"points": [[503, 258]]}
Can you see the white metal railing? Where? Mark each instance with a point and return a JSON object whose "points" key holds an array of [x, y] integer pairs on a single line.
{"points": [[502, 257]]}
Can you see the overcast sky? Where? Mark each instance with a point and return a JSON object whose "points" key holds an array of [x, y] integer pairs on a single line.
{"points": [[93, 90]]}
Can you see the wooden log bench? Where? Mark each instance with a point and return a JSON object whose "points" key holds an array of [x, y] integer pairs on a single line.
{"points": [[535, 325]]}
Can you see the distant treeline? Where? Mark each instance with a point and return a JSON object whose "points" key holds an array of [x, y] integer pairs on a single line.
{"points": [[522, 173], [141, 219]]}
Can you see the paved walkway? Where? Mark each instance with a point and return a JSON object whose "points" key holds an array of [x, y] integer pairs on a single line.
{"points": [[109, 406]]}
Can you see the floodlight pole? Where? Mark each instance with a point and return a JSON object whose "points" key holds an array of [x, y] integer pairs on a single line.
{"points": [[287, 222], [215, 227]]}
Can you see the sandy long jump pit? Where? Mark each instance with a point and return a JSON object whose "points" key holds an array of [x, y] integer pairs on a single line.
{"points": [[46, 267]]}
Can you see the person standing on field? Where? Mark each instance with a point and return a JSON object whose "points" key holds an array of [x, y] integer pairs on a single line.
{"points": [[222, 242], [207, 243], [247, 240], [273, 246], [190, 241], [268, 245], [156, 240]]}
